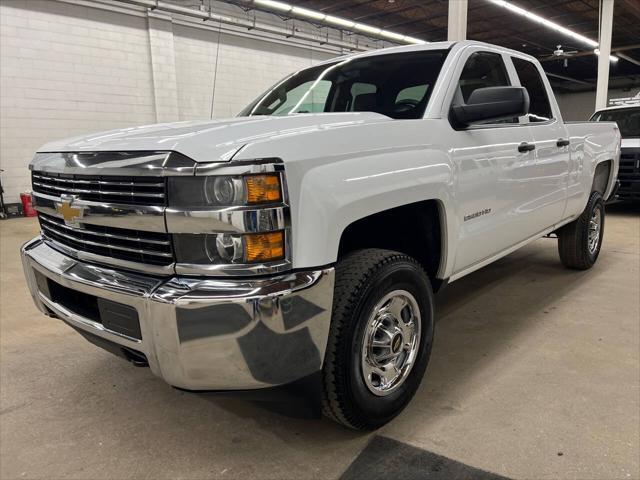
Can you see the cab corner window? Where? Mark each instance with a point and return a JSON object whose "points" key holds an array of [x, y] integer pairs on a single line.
{"points": [[539, 107]]}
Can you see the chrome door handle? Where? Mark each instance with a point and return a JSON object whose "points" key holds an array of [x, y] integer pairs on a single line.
{"points": [[563, 142], [526, 147]]}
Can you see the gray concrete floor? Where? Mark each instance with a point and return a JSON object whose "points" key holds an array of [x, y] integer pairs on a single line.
{"points": [[535, 373]]}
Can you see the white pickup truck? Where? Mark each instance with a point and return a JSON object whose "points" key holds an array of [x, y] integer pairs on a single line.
{"points": [[303, 240], [627, 117]]}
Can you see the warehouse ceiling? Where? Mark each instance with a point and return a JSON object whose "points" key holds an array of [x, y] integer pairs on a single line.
{"points": [[427, 19], [573, 66]]}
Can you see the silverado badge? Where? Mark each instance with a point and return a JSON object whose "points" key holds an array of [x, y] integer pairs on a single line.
{"points": [[70, 214]]}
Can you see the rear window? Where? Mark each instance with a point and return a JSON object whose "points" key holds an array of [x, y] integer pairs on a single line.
{"points": [[628, 120]]}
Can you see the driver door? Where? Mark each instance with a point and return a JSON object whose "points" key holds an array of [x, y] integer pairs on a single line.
{"points": [[493, 174]]}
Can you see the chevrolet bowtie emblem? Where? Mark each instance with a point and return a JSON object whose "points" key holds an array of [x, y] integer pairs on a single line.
{"points": [[70, 213]]}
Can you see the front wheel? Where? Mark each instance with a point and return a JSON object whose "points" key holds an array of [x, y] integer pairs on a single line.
{"points": [[579, 242], [380, 338]]}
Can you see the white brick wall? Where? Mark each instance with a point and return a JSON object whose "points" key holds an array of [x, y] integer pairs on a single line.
{"points": [[65, 70], [70, 69], [163, 68], [245, 68]]}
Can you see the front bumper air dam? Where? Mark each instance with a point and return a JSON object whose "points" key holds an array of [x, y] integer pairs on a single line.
{"points": [[198, 333]]}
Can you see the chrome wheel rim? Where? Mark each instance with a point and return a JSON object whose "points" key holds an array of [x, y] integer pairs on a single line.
{"points": [[595, 226], [391, 341]]}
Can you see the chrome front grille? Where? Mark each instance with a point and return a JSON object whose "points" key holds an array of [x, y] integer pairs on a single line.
{"points": [[130, 245], [98, 188]]}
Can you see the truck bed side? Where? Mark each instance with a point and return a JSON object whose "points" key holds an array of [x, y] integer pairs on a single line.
{"points": [[591, 144]]}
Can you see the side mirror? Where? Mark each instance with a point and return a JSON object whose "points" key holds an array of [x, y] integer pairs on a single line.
{"points": [[492, 103]]}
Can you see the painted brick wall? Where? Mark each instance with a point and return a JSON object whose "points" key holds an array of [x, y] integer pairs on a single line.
{"points": [[163, 68], [245, 68], [66, 70], [69, 69]]}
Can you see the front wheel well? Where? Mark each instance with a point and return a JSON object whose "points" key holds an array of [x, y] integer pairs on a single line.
{"points": [[414, 229]]}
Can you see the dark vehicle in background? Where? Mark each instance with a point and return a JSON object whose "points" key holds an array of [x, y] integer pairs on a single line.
{"points": [[628, 120]]}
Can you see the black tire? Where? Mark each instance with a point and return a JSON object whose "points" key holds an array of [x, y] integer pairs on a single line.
{"points": [[362, 279], [573, 238]]}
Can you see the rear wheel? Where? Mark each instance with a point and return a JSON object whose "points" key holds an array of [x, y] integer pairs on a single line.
{"points": [[380, 337], [579, 242]]}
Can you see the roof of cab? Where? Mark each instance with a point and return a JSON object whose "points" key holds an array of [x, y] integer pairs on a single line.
{"points": [[423, 47]]}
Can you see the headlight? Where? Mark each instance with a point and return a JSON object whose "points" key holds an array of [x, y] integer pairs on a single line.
{"points": [[237, 223], [225, 191], [225, 248]]}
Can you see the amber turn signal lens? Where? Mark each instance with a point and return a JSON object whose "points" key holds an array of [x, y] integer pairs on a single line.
{"points": [[264, 247], [263, 188]]}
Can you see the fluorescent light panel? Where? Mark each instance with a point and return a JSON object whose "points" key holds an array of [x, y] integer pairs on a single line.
{"points": [[336, 21], [305, 12], [280, 6], [363, 27], [549, 24], [392, 35], [342, 22]]}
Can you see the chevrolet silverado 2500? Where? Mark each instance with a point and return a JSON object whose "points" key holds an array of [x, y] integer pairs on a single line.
{"points": [[305, 238]]}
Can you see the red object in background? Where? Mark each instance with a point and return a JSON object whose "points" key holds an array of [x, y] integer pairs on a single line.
{"points": [[27, 206]]}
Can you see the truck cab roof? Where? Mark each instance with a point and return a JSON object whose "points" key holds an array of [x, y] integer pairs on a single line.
{"points": [[458, 45]]}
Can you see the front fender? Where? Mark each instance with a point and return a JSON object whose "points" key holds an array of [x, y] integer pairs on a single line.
{"points": [[337, 176], [333, 197]]}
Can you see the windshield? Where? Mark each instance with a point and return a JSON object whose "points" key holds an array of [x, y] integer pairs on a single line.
{"points": [[397, 85], [628, 120]]}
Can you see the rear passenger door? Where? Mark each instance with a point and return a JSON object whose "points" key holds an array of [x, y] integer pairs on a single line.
{"points": [[549, 181]]}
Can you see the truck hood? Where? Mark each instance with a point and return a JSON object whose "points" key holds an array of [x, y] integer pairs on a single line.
{"points": [[210, 141]]}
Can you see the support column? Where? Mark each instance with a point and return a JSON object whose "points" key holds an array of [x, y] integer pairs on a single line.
{"points": [[457, 29], [163, 67], [606, 28]]}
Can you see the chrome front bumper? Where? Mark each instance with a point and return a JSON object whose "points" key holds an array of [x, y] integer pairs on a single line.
{"points": [[198, 333]]}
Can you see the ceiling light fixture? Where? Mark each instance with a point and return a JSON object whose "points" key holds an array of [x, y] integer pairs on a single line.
{"points": [[341, 22], [416, 41], [549, 24], [392, 35], [336, 21], [363, 27], [305, 12], [280, 6]]}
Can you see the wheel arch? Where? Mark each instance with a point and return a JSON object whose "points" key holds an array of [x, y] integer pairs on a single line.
{"points": [[602, 177], [417, 229]]}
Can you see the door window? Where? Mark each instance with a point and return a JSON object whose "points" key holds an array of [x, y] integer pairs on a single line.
{"points": [[483, 69], [539, 107]]}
